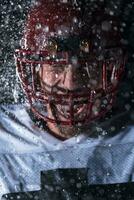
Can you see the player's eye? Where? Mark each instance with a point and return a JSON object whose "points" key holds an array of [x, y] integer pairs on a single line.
{"points": [[51, 46], [85, 46]]}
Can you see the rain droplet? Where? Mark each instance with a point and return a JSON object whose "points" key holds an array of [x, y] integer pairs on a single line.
{"points": [[46, 29], [56, 75], [112, 128], [72, 181], [75, 20], [106, 26], [127, 107], [78, 185], [111, 13], [108, 174], [38, 26]]}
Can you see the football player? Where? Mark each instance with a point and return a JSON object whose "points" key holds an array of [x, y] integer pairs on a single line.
{"points": [[70, 65]]}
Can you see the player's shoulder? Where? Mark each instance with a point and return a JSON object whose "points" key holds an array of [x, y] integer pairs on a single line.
{"points": [[17, 129], [14, 115], [119, 129], [124, 137], [14, 109], [20, 134]]}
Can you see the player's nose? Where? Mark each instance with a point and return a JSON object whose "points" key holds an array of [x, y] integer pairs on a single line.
{"points": [[72, 77]]}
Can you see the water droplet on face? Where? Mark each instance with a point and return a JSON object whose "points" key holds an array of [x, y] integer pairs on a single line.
{"points": [[56, 75], [29, 87], [52, 34], [74, 60], [37, 68], [37, 94], [95, 110], [78, 185]]}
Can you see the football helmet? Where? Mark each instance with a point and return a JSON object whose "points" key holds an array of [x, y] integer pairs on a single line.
{"points": [[57, 33]]}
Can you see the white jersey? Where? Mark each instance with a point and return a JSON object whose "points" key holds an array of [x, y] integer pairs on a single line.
{"points": [[26, 150]]}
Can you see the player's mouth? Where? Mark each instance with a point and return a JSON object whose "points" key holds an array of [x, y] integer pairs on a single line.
{"points": [[77, 111]]}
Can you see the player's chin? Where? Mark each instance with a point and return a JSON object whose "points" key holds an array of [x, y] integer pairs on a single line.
{"points": [[63, 126], [73, 130], [69, 131]]}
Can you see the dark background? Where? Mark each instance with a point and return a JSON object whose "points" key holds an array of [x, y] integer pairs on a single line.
{"points": [[12, 16]]}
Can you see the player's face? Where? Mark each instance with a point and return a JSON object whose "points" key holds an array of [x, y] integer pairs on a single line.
{"points": [[62, 79]]}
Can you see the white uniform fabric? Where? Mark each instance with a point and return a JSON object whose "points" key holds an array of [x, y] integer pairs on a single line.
{"points": [[26, 150]]}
